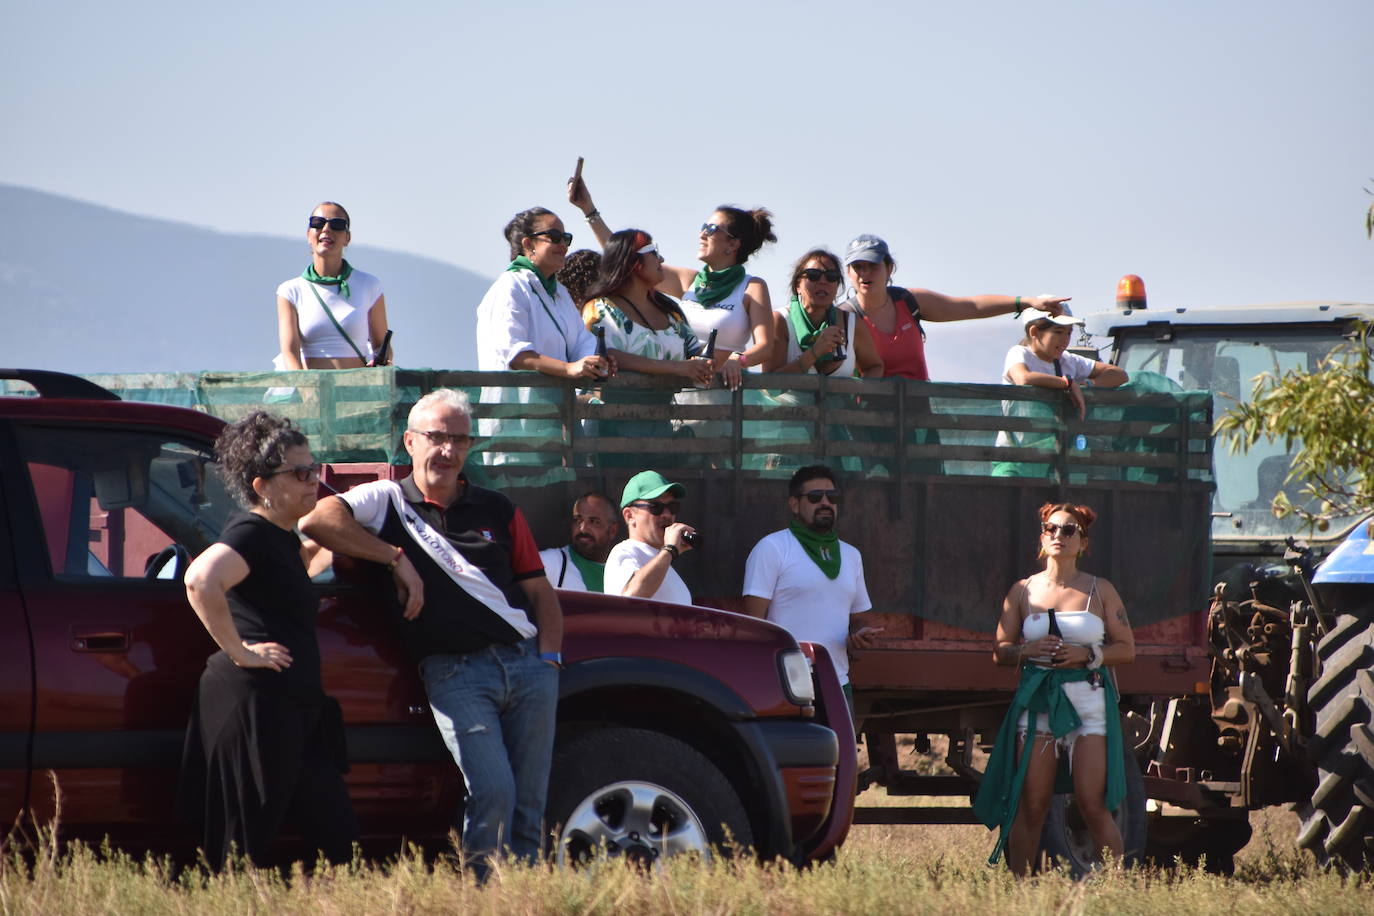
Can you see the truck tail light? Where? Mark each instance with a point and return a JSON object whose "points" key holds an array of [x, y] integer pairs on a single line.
{"points": [[1130, 293], [796, 677]]}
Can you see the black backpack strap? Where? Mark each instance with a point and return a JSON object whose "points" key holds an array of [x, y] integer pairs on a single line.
{"points": [[904, 295], [563, 569], [1058, 370]]}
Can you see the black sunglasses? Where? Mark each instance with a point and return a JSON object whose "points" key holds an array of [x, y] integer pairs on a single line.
{"points": [[337, 223], [554, 236], [712, 229], [815, 496], [815, 273], [1068, 530], [658, 508], [303, 472]]}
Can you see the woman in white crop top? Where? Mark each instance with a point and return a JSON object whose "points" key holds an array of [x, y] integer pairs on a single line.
{"points": [[331, 316], [721, 296], [1093, 633]]}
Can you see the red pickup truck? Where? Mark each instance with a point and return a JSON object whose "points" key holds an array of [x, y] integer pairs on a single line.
{"points": [[675, 724]]}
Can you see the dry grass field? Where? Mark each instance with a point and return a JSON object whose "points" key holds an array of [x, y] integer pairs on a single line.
{"points": [[880, 870]]}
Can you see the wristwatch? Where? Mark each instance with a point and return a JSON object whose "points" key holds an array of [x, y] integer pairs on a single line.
{"points": [[671, 549]]}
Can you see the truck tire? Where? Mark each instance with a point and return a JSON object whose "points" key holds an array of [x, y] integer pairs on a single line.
{"points": [[1209, 841], [643, 795], [1065, 837], [1338, 822]]}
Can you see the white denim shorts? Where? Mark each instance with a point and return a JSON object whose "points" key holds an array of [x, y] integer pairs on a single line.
{"points": [[1088, 701]]}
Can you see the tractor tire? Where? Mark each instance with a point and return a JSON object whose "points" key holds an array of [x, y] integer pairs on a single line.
{"points": [[642, 795], [1065, 838], [1338, 822]]}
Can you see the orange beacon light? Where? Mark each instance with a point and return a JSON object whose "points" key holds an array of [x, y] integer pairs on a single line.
{"points": [[1130, 293]]}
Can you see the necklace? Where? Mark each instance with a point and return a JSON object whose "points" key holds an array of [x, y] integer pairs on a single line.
{"points": [[1061, 584]]}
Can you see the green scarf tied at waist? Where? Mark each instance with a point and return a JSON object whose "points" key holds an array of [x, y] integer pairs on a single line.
{"points": [[1041, 693], [341, 281], [805, 332], [711, 286], [523, 263], [593, 573], [824, 549]]}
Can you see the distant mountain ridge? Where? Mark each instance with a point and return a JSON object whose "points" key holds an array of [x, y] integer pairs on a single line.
{"points": [[155, 295]]}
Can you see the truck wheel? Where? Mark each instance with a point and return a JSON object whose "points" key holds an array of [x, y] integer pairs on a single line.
{"points": [[1190, 839], [1065, 837], [642, 795], [1338, 823]]}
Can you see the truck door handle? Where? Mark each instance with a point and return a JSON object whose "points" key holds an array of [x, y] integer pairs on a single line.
{"points": [[103, 639]]}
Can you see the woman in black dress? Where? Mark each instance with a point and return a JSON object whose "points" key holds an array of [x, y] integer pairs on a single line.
{"points": [[264, 742]]}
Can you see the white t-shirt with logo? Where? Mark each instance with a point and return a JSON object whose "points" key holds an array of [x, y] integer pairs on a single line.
{"points": [[804, 601], [628, 556]]}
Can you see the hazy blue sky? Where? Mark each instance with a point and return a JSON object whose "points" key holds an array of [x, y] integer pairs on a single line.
{"points": [[1219, 149]]}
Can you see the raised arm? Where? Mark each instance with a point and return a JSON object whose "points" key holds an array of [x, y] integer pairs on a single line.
{"points": [[581, 198], [289, 334], [939, 307], [332, 525]]}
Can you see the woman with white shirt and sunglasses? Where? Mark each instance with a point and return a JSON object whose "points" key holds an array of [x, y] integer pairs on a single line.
{"points": [[1065, 629], [331, 316], [721, 296]]}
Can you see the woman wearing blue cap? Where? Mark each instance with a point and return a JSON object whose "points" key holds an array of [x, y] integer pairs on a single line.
{"points": [[893, 314]]}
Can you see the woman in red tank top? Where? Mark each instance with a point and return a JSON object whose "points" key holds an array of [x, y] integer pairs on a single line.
{"points": [[894, 313]]}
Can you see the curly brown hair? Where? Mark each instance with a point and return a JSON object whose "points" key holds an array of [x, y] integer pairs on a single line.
{"points": [[251, 448], [578, 274]]}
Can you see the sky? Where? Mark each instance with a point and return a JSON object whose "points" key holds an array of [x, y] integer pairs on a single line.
{"points": [[1221, 150]]}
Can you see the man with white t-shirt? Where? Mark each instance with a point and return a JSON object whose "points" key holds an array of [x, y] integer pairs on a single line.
{"points": [[581, 566], [805, 579], [641, 566]]}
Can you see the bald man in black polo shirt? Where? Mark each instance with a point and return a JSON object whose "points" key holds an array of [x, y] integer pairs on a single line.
{"points": [[468, 573]]}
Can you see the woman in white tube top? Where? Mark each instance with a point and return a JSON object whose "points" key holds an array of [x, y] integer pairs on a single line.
{"points": [[1093, 633]]}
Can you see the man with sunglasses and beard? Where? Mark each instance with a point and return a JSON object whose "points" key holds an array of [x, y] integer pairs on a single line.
{"points": [[805, 579], [641, 566]]}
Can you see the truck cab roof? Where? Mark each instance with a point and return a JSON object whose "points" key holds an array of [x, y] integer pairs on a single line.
{"points": [[1106, 324]]}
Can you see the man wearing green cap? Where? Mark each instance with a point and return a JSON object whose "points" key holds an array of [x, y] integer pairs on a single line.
{"points": [[641, 566]]}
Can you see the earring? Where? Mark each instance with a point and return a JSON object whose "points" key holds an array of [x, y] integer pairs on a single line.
{"points": [[267, 503], [1040, 554]]}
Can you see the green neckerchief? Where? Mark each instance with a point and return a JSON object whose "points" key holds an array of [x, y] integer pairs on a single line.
{"points": [[711, 286], [805, 332], [1042, 691], [823, 548], [523, 263], [341, 281], [593, 573]]}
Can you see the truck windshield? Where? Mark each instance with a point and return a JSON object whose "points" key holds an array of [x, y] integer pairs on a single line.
{"points": [[1226, 360]]}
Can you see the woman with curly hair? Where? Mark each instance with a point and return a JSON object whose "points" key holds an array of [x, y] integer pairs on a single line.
{"points": [[1064, 628], [264, 741]]}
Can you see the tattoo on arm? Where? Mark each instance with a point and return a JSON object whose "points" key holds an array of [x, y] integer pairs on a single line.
{"points": [[1121, 617]]}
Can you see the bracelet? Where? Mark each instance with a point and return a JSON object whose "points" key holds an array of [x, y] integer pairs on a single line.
{"points": [[555, 657], [671, 549], [1018, 307], [595, 214], [391, 567]]}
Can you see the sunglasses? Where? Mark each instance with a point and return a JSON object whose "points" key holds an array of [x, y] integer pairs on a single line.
{"points": [[712, 229], [337, 223], [554, 236], [439, 439], [1052, 529], [658, 508], [815, 274], [815, 496], [303, 472]]}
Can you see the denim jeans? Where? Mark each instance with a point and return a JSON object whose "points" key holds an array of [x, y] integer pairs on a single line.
{"points": [[495, 709]]}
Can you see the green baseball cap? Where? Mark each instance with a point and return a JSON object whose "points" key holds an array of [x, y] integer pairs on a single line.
{"points": [[649, 485]]}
